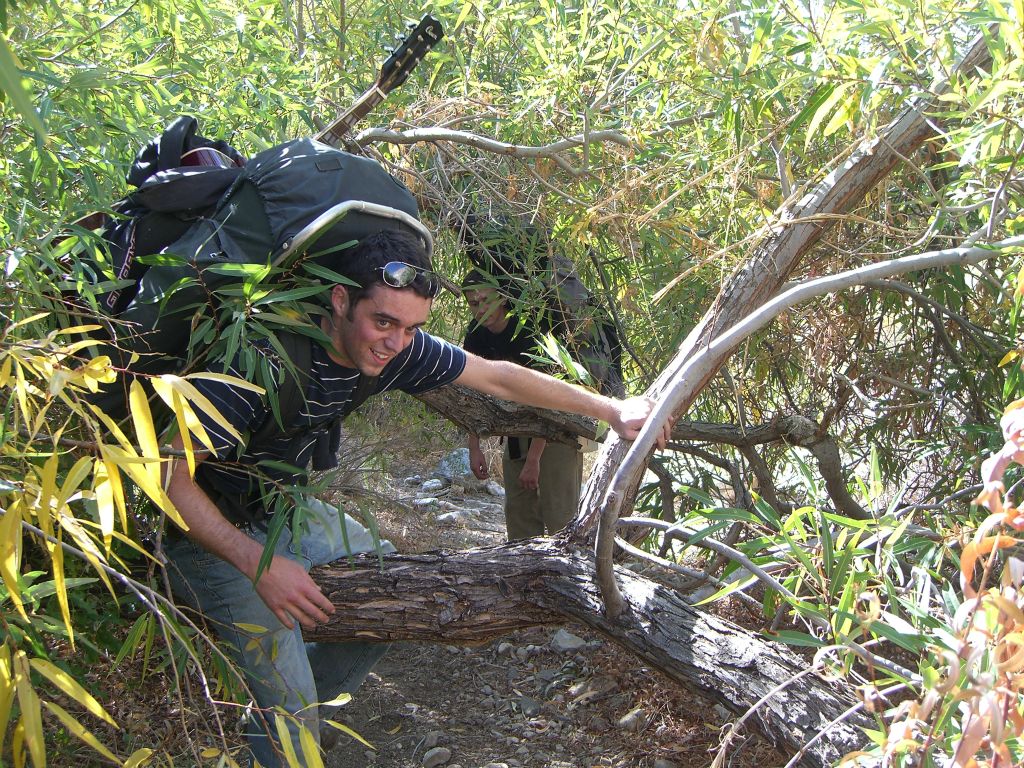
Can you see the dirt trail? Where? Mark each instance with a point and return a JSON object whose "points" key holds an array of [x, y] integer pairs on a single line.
{"points": [[546, 697]]}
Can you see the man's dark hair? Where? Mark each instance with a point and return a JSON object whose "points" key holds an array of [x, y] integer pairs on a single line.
{"points": [[478, 278], [364, 262]]}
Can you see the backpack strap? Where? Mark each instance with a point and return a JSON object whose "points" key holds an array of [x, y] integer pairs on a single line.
{"points": [[292, 394]]}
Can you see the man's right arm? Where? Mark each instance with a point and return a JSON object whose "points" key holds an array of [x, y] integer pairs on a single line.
{"points": [[285, 586]]}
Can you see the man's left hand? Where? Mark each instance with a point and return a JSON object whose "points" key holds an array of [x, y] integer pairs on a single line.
{"points": [[630, 416]]}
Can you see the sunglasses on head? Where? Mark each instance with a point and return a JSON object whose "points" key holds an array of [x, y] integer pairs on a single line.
{"points": [[398, 274]]}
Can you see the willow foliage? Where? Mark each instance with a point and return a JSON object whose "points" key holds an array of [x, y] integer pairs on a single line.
{"points": [[691, 123]]}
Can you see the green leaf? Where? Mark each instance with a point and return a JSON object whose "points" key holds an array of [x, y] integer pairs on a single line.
{"points": [[802, 639], [827, 109], [11, 84], [292, 294]]}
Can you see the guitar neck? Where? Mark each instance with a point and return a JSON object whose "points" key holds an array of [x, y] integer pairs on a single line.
{"points": [[334, 135]]}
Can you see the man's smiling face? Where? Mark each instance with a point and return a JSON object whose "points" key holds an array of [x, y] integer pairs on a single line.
{"points": [[383, 323]]}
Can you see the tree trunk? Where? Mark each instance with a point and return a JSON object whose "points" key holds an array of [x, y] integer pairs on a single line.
{"points": [[485, 416], [478, 595]]}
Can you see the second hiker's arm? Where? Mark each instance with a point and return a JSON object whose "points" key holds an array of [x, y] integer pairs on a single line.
{"points": [[285, 586], [522, 385]]}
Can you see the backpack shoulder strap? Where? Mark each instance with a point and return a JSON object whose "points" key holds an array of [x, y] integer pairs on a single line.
{"points": [[325, 455], [291, 396], [292, 391]]}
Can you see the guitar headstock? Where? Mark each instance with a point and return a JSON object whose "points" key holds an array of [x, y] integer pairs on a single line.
{"points": [[410, 51]]}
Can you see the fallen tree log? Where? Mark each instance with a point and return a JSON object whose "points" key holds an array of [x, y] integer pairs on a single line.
{"points": [[485, 416], [478, 595]]}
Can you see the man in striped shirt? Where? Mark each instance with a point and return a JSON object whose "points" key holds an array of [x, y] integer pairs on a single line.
{"points": [[377, 344]]}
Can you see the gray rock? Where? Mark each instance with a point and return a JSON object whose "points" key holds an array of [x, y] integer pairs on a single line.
{"points": [[566, 642], [454, 466], [633, 721], [454, 516], [496, 765], [429, 501], [529, 707], [436, 757], [663, 763], [506, 649], [599, 725], [413, 480], [433, 485], [432, 739], [493, 488]]}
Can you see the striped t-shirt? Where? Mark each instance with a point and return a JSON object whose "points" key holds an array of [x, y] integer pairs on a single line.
{"points": [[428, 362]]}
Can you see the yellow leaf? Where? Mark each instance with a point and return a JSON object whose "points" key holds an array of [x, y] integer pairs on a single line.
{"points": [[129, 464], [10, 554], [27, 320], [76, 729], [234, 381], [193, 395], [60, 586], [252, 629], [75, 477], [1013, 354], [86, 543], [76, 329], [103, 492], [31, 715], [18, 745], [142, 418], [310, 749], [70, 686], [113, 477], [112, 428], [339, 701], [345, 729], [5, 371], [1008, 607], [21, 393], [187, 422], [47, 491], [138, 757], [6, 692], [284, 737]]}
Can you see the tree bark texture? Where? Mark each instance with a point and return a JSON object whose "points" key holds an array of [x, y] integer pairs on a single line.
{"points": [[477, 595], [485, 416]]}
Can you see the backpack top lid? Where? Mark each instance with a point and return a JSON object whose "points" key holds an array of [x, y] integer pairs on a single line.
{"points": [[312, 192]]}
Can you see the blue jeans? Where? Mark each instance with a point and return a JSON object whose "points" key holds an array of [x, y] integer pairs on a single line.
{"points": [[280, 669]]}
